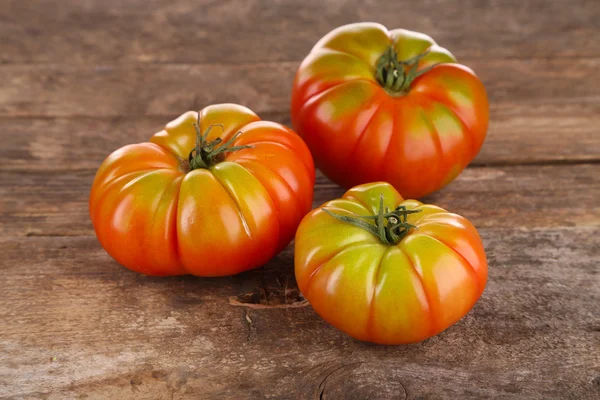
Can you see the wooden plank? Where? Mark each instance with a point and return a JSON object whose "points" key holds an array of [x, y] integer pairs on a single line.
{"points": [[541, 134], [164, 31], [115, 90], [78, 143], [537, 134], [112, 91], [84, 78], [54, 203], [75, 323]]}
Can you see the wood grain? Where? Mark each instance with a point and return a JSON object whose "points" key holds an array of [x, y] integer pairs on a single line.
{"points": [[57, 90], [82, 78], [227, 31], [92, 327], [537, 134], [55, 203]]}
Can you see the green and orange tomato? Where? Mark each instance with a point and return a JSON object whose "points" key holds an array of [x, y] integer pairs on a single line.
{"points": [[387, 270], [214, 193], [388, 105]]}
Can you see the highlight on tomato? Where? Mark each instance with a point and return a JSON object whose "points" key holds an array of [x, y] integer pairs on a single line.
{"points": [[387, 270], [214, 193], [378, 105]]}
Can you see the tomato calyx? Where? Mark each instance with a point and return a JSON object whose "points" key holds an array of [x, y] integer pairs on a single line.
{"points": [[396, 76], [389, 226], [206, 154]]}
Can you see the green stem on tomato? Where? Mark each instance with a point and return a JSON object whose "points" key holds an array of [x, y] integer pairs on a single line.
{"points": [[397, 76], [390, 226], [206, 154]]}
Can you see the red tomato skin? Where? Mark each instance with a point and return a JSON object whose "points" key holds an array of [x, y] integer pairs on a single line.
{"points": [[359, 132], [383, 293], [155, 216]]}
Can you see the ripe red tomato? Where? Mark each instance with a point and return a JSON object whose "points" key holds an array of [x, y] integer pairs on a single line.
{"points": [[387, 270], [214, 193], [379, 105]]}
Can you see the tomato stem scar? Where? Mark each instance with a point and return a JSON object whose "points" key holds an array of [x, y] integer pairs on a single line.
{"points": [[206, 154], [389, 226], [396, 76]]}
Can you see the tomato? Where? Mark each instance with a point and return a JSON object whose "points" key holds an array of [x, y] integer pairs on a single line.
{"points": [[387, 270], [214, 193], [379, 105]]}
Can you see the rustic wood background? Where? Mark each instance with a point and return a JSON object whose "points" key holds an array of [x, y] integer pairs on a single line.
{"points": [[79, 79]]}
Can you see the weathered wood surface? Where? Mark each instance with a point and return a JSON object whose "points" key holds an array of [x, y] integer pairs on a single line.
{"points": [[82, 78], [54, 203], [534, 135], [76, 323], [116, 90], [221, 31]]}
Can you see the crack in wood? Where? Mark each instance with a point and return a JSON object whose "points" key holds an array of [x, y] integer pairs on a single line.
{"points": [[270, 296], [250, 323], [321, 387]]}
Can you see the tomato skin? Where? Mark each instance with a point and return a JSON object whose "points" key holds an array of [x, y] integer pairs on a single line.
{"points": [[359, 132], [384, 293], [156, 216]]}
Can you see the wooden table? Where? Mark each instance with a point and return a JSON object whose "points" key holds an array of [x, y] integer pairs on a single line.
{"points": [[79, 79]]}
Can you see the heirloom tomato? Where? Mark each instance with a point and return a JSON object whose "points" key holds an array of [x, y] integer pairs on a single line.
{"points": [[214, 193], [387, 270], [379, 105]]}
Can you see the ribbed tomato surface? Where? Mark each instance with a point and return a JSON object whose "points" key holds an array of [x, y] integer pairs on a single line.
{"points": [[157, 214], [378, 105], [389, 293]]}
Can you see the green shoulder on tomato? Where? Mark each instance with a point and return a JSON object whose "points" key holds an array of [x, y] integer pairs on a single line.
{"points": [[388, 105]]}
